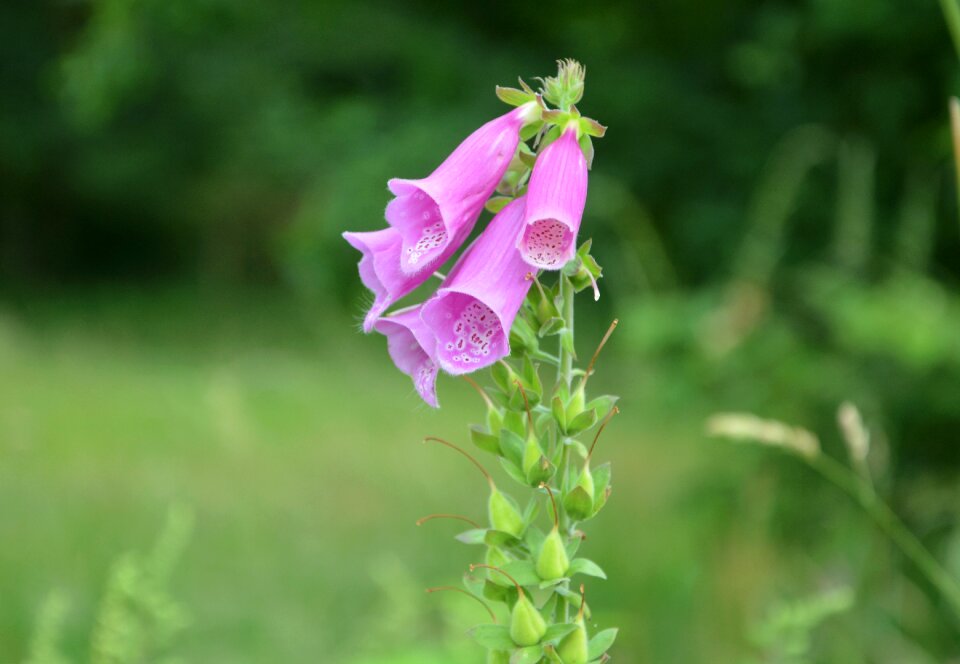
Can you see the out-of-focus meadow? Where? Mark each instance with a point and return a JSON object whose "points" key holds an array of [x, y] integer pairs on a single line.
{"points": [[775, 209]]}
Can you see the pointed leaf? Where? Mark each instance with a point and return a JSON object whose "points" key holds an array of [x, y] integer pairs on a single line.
{"points": [[523, 571], [485, 440], [601, 643], [497, 203], [472, 536], [588, 567], [529, 655], [581, 422], [493, 637], [558, 631]]}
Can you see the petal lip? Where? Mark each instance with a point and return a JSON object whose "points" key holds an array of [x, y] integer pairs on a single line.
{"points": [[380, 272], [410, 345]]}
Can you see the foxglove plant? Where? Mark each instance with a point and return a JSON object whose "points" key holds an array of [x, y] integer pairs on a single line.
{"points": [[493, 311]]}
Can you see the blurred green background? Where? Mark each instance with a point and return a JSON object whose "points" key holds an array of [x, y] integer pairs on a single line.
{"points": [[774, 206]]}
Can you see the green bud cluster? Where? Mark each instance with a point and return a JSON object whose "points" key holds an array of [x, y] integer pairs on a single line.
{"points": [[531, 431]]}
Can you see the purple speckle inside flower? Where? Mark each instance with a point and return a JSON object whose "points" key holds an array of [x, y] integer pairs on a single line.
{"points": [[471, 334], [419, 221], [546, 243]]}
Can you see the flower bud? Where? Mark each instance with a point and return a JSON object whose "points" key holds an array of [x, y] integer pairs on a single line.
{"points": [[504, 515], [579, 500], [553, 562], [573, 647], [527, 626]]}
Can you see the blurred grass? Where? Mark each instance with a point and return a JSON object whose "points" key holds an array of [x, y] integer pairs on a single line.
{"points": [[298, 446]]}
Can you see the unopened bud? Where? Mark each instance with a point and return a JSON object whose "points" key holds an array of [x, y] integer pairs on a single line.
{"points": [[527, 626], [504, 515], [553, 562]]}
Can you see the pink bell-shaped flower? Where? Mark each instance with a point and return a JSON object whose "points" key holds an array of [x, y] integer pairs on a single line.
{"points": [[556, 195], [472, 312], [439, 211]]}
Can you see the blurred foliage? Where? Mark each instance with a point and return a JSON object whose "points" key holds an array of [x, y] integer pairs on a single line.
{"points": [[235, 140], [138, 619]]}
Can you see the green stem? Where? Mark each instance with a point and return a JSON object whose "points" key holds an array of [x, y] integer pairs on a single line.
{"points": [[891, 525], [566, 377], [951, 12], [566, 357]]}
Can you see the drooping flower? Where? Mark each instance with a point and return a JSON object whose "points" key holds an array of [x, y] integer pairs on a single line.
{"points": [[410, 344], [380, 270], [472, 312], [439, 211], [555, 199]]}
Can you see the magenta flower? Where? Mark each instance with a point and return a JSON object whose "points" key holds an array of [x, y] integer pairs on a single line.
{"points": [[410, 344], [473, 309], [380, 270], [439, 211], [555, 198]]}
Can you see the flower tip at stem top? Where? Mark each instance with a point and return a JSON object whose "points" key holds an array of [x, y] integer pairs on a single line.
{"points": [[566, 88]]}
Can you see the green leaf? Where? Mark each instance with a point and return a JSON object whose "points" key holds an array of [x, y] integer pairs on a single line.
{"points": [[528, 158], [503, 376], [573, 545], [513, 96], [558, 631], [551, 326], [513, 470], [601, 486], [497, 593], [529, 655], [586, 144], [511, 445], [531, 512], [485, 440], [579, 447], [497, 203], [585, 566], [534, 538], [472, 536], [591, 127], [601, 643], [559, 413], [498, 538], [543, 585], [530, 130], [578, 503], [473, 584], [531, 382], [524, 571], [516, 421], [581, 422], [493, 637], [602, 405]]}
